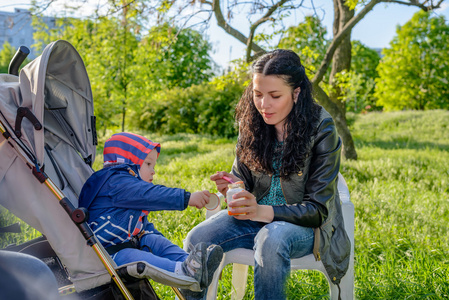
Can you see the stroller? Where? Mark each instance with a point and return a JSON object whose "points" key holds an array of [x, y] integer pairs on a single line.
{"points": [[47, 148]]}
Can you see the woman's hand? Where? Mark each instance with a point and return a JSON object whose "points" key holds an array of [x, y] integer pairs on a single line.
{"points": [[199, 199], [222, 184], [245, 205]]}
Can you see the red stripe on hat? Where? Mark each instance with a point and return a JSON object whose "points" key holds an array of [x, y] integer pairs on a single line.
{"points": [[156, 145], [124, 153], [132, 142]]}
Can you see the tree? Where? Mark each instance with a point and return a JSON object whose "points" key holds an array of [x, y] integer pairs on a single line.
{"points": [[167, 57], [357, 86], [338, 51], [364, 63], [262, 13], [414, 72], [308, 39]]}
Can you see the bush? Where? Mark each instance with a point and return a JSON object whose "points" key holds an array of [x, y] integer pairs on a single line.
{"points": [[206, 108]]}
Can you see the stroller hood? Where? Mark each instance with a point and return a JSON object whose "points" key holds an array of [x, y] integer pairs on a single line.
{"points": [[56, 83]]}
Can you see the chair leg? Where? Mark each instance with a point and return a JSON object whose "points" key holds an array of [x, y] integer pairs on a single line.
{"points": [[239, 278], [346, 285], [213, 287]]}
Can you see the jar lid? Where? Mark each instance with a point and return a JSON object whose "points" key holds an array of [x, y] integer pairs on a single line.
{"points": [[238, 184]]}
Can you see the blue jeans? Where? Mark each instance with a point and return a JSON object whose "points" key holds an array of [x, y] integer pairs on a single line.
{"points": [[274, 245], [156, 250]]}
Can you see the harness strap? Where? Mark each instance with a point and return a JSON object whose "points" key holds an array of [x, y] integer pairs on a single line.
{"points": [[132, 243]]}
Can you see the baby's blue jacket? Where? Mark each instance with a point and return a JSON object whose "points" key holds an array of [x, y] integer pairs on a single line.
{"points": [[115, 198]]}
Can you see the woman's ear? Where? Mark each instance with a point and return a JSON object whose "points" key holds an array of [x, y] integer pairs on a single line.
{"points": [[296, 93]]}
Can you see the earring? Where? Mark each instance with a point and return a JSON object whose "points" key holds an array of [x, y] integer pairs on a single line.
{"points": [[296, 94]]}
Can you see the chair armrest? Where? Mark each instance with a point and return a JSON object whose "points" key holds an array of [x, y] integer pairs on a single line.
{"points": [[343, 190]]}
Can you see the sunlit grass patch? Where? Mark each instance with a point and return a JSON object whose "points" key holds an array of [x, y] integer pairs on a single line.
{"points": [[399, 187]]}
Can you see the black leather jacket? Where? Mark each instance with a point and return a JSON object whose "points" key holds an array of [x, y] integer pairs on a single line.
{"points": [[312, 197]]}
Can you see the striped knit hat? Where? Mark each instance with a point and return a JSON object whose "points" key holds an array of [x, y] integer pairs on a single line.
{"points": [[128, 148]]}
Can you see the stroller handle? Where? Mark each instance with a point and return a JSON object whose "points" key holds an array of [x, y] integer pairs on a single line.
{"points": [[21, 53]]}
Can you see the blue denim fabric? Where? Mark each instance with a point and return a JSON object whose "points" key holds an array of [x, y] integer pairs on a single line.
{"points": [[156, 249], [274, 245]]}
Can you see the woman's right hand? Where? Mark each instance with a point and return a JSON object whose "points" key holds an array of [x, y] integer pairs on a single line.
{"points": [[222, 184]]}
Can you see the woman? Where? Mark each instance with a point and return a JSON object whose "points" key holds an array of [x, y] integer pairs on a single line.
{"points": [[288, 156]]}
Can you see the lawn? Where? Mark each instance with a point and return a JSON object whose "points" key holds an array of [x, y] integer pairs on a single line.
{"points": [[399, 186]]}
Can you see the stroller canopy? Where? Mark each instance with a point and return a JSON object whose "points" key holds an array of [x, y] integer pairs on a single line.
{"points": [[55, 83]]}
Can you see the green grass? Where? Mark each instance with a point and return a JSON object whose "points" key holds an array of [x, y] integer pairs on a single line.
{"points": [[399, 186]]}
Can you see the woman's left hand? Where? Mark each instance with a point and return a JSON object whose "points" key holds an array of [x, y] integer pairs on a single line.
{"points": [[245, 205]]}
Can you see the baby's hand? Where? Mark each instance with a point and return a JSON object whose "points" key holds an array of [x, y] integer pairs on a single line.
{"points": [[199, 199]]}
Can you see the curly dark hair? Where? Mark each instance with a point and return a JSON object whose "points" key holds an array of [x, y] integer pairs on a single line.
{"points": [[256, 138]]}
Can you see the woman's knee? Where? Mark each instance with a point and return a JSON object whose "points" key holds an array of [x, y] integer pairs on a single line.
{"points": [[269, 239], [199, 233], [282, 237]]}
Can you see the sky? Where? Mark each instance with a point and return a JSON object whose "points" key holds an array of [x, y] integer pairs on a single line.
{"points": [[375, 30]]}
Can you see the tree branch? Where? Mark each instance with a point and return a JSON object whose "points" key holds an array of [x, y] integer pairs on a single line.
{"points": [[230, 30], [338, 38], [348, 27], [417, 4], [256, 24]]}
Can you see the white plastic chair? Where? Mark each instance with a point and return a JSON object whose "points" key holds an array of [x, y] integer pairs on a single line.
{"points": [[242, 258]]}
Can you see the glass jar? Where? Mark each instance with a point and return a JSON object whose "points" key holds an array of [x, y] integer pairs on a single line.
{"points": [[234, 188]]}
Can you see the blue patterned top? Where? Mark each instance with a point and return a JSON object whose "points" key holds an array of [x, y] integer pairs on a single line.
{"points": [[275, 196]]}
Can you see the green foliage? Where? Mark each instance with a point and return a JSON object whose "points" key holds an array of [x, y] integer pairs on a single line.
{"points": [[364, 62], [167, 59], [414, 72], [357, 85], [6, 54], [399, 187], [207, 108], [128, 71], [308, 40]]}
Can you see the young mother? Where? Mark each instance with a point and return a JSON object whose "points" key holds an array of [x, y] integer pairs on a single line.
{"points": [[288, 156]]}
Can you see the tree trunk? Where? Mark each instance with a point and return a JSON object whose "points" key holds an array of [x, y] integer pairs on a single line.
{"points": [[339, 117], [341, 61]]}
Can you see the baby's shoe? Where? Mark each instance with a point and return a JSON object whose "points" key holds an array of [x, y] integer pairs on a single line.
{"points": [[195, 264], [214, 257]]}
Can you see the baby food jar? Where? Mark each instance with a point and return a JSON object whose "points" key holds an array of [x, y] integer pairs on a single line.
{"points": [[234, 188]]}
